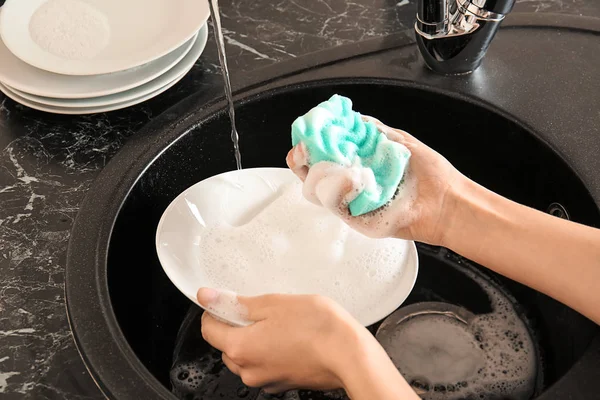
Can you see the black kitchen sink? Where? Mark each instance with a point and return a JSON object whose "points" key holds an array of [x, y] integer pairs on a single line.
{"points": [[523, 125]]}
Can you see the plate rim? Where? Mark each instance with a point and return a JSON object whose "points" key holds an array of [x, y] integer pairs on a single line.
{"points": [[410, 274], [86, 67], [153, 85], [90, 110], [33, 90]]}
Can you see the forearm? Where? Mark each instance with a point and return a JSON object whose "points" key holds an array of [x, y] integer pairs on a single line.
{"points": [[554, 256], [370, 374]]}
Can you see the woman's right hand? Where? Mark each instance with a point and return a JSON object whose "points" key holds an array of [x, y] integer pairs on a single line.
{"points": [[421, 215], [557, 257]]}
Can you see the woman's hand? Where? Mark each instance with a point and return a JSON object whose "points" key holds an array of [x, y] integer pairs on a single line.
{"points": [[296, 341], [421, 218], [306, 342]]}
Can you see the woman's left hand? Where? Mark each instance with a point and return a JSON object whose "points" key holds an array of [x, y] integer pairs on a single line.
{"points": [[305, 341]]}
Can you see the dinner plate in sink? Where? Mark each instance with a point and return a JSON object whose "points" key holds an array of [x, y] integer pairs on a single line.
{"points": [[93, 37], [222, 209]]}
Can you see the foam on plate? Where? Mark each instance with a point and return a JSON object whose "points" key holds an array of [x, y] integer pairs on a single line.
{"points": [[293, 246], [71, 29]]}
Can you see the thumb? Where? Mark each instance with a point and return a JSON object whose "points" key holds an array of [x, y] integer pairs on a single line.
{"points": [[207, 296], [333, 186], [297, 161]]}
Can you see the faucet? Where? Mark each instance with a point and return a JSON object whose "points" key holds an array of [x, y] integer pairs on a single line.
{"points": [[454, 35]]}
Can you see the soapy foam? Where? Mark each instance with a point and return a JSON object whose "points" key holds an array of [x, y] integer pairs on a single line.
{"points": [[206, 377], [437, 347], [333, 132], [227, 308], [71, 29], [492, 355], [295, 247], [334, 186]]}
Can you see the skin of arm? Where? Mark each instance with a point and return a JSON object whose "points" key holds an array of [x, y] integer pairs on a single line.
{"points": [[554, 256], [303, 341], [551, 255], [375, 377], [310, 342]]}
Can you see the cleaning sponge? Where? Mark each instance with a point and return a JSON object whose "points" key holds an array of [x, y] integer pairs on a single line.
{"points": [[333, 132]]}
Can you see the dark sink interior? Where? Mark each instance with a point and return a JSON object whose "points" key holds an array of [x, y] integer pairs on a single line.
{"points": [[491, 148]]}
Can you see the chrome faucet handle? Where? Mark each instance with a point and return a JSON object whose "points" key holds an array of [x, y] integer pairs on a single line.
{"points": [[454, 36]]}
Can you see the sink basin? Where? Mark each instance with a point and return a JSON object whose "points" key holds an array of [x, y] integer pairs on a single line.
{"points": [[126, 314]]}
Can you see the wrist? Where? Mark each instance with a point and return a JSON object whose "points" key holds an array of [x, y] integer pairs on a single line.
{"points": [[366, 372], [347, 350], [458, 201], [473, 212]]}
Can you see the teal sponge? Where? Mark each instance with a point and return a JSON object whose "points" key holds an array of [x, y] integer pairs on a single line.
{"points": [[333, 132]]}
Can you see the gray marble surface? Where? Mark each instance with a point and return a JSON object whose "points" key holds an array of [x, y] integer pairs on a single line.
{"points": [[48, 162]]}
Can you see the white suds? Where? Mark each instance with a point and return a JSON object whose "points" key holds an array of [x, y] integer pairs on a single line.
{"points": [[334, 186], [491, 356], [295, 247], [70, 29], [228, 309]]}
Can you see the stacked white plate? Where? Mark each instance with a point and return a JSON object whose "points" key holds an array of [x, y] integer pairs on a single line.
{"points": [[90, 56]]}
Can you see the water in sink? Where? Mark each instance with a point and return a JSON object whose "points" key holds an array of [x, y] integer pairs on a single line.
{"points": [[490, 356], [492, 350], [132, 267], [447, 353], [220, 41]]}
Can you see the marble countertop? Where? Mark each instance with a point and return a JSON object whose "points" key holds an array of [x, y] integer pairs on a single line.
{"points": [[48, 162]]}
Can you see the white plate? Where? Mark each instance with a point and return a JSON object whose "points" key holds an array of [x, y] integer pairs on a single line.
{"points": [[25, 78], [93, 37], [128, 95], [233, 198], [87, 110]]}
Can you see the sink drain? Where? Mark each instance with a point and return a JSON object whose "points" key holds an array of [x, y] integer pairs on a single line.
{"points": [[557, 210], [444, 330], [447, 353]]}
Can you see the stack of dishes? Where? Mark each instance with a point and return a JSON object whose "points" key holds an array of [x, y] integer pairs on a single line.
{"points": [[90, 56]]}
